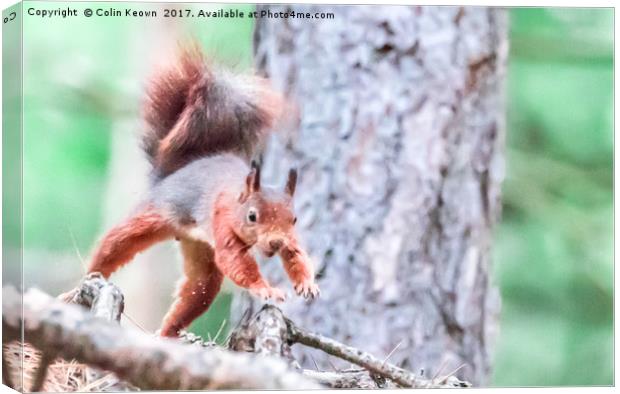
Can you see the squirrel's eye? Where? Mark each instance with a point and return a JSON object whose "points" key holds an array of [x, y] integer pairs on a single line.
{"points": [[252, 215], [295, 220]]}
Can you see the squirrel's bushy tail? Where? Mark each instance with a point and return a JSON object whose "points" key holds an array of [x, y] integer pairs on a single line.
{"points": [[192, 111]]}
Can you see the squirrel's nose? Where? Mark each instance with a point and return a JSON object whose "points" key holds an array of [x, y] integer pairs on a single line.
{"points": [[275, 244]]}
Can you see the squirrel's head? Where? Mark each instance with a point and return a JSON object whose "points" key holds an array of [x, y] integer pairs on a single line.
{"points": [[266, 213]]}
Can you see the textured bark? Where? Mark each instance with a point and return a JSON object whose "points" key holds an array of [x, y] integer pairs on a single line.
{"points": [[270, 333], [61, 330], [400, 151], [266, 333], [353, 355], [72, 332], [105, 301]]}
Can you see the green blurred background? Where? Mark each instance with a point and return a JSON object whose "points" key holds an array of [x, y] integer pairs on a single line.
{"points": [[553, 249]]}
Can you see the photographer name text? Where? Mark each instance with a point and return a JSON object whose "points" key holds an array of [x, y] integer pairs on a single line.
{"points": [[111, 12]]}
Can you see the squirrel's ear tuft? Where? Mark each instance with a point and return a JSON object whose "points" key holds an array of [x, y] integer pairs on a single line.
{"points": [[291, 182], [252, 181]]}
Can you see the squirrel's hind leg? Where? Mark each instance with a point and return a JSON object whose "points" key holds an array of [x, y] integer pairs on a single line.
{"points": [[197, 290], [124, 241]]}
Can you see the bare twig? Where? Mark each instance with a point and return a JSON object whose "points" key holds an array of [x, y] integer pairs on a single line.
{"points": [[152, 363], [269, 332], [351, 354], [144, 361]]}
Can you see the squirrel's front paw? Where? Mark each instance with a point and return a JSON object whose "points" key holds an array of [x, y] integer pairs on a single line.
{"points": [[308, 289], [266, 293]]}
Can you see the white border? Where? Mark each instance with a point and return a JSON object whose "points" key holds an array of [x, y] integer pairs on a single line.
{"points": [[523, 3]]}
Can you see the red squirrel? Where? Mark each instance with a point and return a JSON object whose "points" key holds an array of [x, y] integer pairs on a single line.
{"points": [[204, 127]]}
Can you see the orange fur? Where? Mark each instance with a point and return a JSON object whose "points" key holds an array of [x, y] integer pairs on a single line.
{"points": [[204, 266], [195, 113], [123, 242], [194, 110], [298, 267], [197, 290], [232, 255]]}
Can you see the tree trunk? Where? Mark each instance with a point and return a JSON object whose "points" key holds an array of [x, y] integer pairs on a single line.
{"points": [[400, 152]]}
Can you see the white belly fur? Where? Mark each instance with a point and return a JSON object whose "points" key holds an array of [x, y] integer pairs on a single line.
{"points": [[198, 233]]}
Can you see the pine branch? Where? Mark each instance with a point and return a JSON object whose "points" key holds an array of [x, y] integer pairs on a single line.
{"points": [[270, 332], [351, 354], [149, 363], [95, 338]]}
